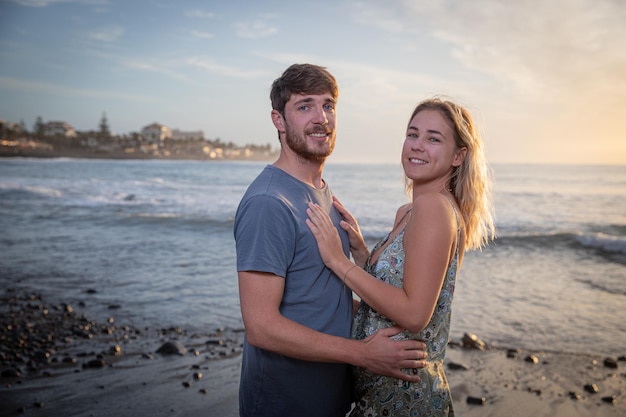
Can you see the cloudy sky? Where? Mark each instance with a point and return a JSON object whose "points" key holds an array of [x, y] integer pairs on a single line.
{"points": [[546, 80]]}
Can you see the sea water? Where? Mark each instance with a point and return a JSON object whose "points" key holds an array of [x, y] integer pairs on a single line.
{"points": [[151, 243]]}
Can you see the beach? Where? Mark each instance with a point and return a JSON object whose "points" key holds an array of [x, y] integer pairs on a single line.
{"points": [[102, 262], [57, 362]]}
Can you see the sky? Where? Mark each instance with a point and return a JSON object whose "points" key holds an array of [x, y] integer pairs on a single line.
{"points": [[544, 80]]}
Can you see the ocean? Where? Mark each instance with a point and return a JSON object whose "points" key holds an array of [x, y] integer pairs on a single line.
{"points": [[151, 243]]}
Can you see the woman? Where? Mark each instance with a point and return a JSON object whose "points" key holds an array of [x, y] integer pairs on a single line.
{"points": [[408, 279]]}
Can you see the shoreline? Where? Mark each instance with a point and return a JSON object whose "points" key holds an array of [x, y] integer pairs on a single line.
{"points": [[57, 362]]}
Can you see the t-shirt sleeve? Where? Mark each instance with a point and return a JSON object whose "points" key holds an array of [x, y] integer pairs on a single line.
{"points": [[265, 235]]}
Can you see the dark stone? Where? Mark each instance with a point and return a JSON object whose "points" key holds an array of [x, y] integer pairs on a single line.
{"points": [[41, 356], [592, 388], [610, 363], [172, 347], [457, 366], [513, 353], [95, 364], [11, 373], [476, 400], [611, 399], [186, 384], [575, 396]]}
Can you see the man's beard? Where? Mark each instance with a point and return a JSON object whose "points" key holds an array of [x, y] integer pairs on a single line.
{"points": [[298, 144]]}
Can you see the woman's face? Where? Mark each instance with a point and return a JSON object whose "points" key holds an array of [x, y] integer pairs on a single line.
{"points": [[430, 152]]}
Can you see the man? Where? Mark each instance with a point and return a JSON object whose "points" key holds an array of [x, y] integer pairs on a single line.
{"points": [[297, 313]]}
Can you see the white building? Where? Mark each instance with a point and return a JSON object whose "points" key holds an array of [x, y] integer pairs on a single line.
{"points": [[156, 133], [59, 128]]}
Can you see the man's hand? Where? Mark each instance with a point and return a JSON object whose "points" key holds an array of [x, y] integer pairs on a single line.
{"points": [[386, 356]]}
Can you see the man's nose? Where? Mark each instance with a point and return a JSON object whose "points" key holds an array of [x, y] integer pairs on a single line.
{"points": [[320, 116]]}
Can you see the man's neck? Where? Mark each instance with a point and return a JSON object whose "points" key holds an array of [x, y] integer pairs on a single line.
{"points": [[309, 172]]}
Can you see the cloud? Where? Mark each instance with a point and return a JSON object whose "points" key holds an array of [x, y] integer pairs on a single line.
{"points": [[15, 84], [232, 72], [157, 69], [202, 35], [199, 14], [46, 3], [254, 30], [536, 49], [107, 34], [540, 47]]}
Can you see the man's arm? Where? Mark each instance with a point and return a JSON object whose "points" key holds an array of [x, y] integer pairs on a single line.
{"points": [[260, 296]]}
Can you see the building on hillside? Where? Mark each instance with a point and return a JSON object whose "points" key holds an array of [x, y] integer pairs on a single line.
{"points": [[156, 133], [59, 128], [180, 135]]}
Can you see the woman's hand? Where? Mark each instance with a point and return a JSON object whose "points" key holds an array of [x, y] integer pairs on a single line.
{"points": [[328, 240], [358, 248]]}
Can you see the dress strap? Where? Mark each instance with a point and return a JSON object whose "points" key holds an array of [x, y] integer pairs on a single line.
{"points": [[458, 226]]}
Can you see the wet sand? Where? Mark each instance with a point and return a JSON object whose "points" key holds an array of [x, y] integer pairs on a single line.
{"points": [[121, 371]]}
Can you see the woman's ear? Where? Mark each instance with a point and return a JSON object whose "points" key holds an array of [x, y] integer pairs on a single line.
{"points": [[459, 157]]}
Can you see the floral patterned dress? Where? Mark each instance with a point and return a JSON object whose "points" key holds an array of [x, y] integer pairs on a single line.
{"points": [[379, 395]]}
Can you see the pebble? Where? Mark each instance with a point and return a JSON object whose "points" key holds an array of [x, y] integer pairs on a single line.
{"points": [[471, 341], [532, 359]]}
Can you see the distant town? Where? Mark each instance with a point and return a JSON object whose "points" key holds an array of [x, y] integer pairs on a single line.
{"points": [[153, 141]]}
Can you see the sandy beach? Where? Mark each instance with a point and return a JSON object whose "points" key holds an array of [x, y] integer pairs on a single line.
{"points": [[55, 362]]}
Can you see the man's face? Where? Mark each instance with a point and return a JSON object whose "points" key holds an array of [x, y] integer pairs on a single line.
{"points": [[309, 125]]}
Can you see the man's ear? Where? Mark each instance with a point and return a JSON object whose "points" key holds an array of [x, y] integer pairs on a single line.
{"points": [[459, 157], [279, 121]]}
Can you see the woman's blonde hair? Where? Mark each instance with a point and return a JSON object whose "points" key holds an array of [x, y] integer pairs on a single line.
{"points": [[471, 182]]}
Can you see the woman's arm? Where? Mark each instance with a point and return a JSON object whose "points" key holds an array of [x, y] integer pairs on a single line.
{"points": [[428, 241]]}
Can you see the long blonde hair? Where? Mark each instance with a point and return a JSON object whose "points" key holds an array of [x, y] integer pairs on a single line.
{"points": [[471, 182]]}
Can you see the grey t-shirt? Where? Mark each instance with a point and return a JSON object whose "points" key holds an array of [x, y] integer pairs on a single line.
{"points": [[271, 236]]}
